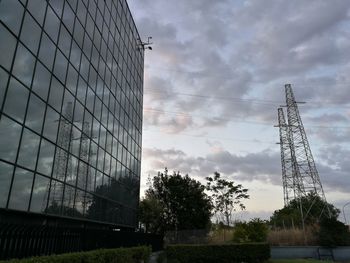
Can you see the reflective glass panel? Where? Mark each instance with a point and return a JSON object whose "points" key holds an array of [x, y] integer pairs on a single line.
{"points": [[37, 9], [21, 189], [11, 14], [28, 150], [45, 162], [24, 65], [16, 100], [3, 82], [35, 113], [6, 171], [30, 34], [41, 81], [7, 47], [39, 194]]}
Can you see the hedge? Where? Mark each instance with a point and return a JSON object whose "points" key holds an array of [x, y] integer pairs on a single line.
{"points": [[116, 255], [227, 253]]}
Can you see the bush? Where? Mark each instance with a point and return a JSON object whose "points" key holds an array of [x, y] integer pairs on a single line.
{"points": [[253, 231], [230, 253], [116, 255], [333, 233]]}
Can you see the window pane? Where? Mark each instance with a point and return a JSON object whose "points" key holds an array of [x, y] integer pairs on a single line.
{"points": [[72, 79], [46, 155], [7, 47], [35, 113], [21, 188], [29, 149], [68, 17], [65, 40], [5, 182], [56, 94], [37, 9], [3, 82], [24, 65], [47, 51], [57, 5], [52, 24], [11, 131], [55, 198], [30, 34], [41, 81], [40, 194], [60, 66], [51, 124], [16, 100], [11, 14]]}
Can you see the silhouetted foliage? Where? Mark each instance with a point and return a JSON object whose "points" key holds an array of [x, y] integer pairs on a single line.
{"points": [[314, 210], [333, 233], [253, 231], [182, 201], [227, 196]]}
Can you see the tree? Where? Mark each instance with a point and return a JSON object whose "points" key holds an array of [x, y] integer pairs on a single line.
{"points": [[227, 196], [333, 233], [254, 231], [182, 201], [314, 210], [150, 214]]}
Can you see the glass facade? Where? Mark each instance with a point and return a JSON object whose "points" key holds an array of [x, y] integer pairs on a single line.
{"points": [[71, 87]]}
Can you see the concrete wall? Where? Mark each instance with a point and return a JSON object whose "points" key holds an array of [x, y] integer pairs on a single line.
{"points": [[286, 252]]}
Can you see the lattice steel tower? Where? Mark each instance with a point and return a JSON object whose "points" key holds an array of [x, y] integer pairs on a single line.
{"points": [[57, 194], [299, 173]]}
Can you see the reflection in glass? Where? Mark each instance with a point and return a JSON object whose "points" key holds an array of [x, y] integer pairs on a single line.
{"points": [[29, 149], [6, 171], [11, 131], [52, 24], [11, 14], [21, 188], [47, 51], [39, 194], [35, 113], [24, 65], [3, 82], [7, 46], [30, 34], [51, 124], [37, 9], [60, 68], [45, 162], [41, 81], [56, 94]]}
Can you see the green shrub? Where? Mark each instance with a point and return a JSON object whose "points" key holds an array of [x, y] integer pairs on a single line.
{"points": [[115, 255], [333, 233], [228, 253], [255, 230]]}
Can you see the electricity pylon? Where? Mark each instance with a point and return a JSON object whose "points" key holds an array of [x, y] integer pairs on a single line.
{"points": [[299, 174], [57, 194]]}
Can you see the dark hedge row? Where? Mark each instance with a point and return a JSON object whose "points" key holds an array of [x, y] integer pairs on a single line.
{"points": [[228, 253], [117, 255]]}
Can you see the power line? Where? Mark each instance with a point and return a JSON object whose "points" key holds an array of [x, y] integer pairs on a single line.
{"points": [[211, 137], [241, 100], [187, 115]]}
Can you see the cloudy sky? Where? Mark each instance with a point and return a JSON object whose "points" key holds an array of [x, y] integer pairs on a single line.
{"points": [[215, 79]]}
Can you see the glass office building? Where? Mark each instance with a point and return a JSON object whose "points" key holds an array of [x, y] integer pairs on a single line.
{"points": [[71, 87]]}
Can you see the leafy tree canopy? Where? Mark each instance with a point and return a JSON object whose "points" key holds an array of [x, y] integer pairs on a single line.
{"points": [[227, 196], [182, 202], [314, 210]]}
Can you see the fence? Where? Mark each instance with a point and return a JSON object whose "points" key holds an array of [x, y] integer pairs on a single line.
{"points": [[19, 241]]}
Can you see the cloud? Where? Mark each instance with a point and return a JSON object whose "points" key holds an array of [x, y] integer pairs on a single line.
{"points": [[263, 166], [246, 50]]}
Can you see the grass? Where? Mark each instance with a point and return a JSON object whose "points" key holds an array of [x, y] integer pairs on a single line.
{"points": [[297, 261], [292, 237]]}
